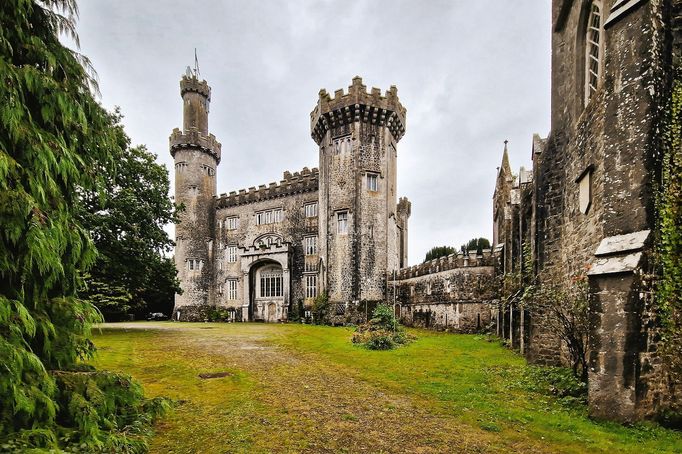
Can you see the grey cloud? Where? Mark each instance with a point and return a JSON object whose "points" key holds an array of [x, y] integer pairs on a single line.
{"points": [[471, 74]]}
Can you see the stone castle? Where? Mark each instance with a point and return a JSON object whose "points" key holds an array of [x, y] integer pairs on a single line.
{"points": [[586, 208], [338, 228]]}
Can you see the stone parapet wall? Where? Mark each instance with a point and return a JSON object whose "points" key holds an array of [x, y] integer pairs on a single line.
{"points": [[450, 262], [456, 293], [307, 180], [358, 105], [194, 139], [193, 84]]}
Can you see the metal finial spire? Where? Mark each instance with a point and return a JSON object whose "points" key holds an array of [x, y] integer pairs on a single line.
{"points": [[196, 64]]}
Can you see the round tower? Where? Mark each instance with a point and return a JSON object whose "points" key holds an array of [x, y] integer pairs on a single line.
{"points": [[197, 155], [360, 231]]}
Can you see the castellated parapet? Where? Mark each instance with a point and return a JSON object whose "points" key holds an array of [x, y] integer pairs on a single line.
{"points": [[193, 139], [450, 262], [358, 105], [307, 180], [192, 84], [404, 207], [455, 293]]}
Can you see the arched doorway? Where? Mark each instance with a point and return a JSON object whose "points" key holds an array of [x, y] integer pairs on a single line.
{"points": [[267, 287]]}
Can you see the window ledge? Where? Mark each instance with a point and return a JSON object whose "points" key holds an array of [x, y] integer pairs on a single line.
{"points": [[620, 9]]}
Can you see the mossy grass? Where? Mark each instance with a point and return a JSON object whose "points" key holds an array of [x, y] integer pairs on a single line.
{"points": [[300, 387]]}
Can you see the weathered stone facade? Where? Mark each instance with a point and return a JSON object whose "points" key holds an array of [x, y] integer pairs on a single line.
{"points": [[589, 209], [454, 293], [261, 252]]}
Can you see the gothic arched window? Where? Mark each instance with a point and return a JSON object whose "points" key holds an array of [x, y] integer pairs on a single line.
{"points": [[594, 45]]}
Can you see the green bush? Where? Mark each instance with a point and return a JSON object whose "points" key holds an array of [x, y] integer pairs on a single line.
{"points": [[381, 340], [218, 314], [558, 381], [320, 309], [382, 331]]}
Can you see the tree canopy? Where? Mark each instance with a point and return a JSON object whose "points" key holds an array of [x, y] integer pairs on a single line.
{"points": [[131, 273], [476, 244], [54, 140], [439, 251]]}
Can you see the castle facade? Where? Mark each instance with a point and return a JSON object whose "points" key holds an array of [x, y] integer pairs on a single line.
{"points": [[260, 253], [590, 209]]}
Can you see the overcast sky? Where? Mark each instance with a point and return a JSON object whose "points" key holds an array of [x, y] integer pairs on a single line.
{"points": [[470, 73]]}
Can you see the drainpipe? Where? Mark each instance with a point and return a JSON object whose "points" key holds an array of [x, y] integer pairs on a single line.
{"points": [[522, 331], [511, 323]]}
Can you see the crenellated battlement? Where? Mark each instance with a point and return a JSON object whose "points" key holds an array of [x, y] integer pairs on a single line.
{"points": [[358, 105], [193, 84], [404, 207], [193, 139], [452, 261], [307, 180]]}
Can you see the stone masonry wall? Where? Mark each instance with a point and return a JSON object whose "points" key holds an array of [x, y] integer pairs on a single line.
{"points": [[290, 195], [455, 293]]}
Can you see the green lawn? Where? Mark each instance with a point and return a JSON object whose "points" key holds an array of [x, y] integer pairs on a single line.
{"points": [[299, 388]]}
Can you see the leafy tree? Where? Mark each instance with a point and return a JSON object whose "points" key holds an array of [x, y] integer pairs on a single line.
{"points": [[53, 138], [439, 251], [126, 224]]}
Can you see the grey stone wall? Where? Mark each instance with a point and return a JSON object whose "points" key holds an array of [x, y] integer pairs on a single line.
{"points": [[290, 195], [455, 293], [357, 133], [614, 136], [196, 154]]}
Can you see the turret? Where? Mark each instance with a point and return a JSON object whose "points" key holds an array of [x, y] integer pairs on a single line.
{"points": [[360, 233], [197, 155]]}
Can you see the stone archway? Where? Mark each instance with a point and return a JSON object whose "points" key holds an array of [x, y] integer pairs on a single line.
{"points": [[266, 280], [267, 292]]}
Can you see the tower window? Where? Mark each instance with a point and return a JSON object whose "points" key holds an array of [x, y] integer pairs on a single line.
{"points": [[269, 217], [195, 265], [232, 289], [342, 145], [232, 254], [342, 222], [372, 182], [180, 166], [311, 286], [193, 190], [593, 50], [310, 245], [310, 210], [210, 171], [232, 223]]}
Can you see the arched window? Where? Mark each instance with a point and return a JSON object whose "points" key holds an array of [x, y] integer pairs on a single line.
{"points": [[594, 53]]}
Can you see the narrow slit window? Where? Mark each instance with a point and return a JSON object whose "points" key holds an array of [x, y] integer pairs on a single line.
{"points": [[232, 289], [311, 286], [585, 191]]}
